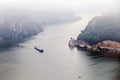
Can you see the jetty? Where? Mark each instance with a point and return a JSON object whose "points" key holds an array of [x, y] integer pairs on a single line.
{"points": [[78, 43]]}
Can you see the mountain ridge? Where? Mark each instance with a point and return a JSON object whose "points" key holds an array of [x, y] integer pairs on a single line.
{"points": [[101, 28]]}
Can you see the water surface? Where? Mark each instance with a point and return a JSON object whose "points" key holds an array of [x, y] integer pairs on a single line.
{"points": [[58, 62]]}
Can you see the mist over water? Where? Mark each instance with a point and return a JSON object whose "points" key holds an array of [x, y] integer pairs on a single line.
{"points": [[77, 6], [58, 61], [49, 25]]}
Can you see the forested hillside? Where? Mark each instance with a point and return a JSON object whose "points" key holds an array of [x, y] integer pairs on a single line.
{"points": [[101, 28], [15, 29]]}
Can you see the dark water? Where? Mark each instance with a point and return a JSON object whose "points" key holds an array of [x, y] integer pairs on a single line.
{"points": [[58, 62]]}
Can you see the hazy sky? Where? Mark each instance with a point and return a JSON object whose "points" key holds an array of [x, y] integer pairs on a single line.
{"points": [[83, 6]]}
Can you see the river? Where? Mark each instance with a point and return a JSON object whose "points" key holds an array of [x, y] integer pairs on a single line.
{"points": [[58, 62]]}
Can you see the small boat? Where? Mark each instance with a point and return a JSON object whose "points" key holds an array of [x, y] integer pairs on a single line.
{"points": [[40, 50], [82, 46]]}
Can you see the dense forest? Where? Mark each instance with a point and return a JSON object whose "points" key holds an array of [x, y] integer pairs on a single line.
{"points": [[101, 28]]}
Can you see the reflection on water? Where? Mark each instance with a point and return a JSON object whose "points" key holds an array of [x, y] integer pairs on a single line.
{"points": [[58, 62]]}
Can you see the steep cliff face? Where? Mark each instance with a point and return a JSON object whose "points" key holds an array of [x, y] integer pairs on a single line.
{"points": [[101, 28], [13, 30]]}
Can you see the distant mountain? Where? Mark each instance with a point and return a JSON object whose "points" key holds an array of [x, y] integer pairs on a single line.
{"points": [[42, 16], [15, 29], [18, 24], [101, 28]]}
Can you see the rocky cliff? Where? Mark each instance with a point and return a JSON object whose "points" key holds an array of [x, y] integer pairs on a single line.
{"points": [[15, 29]]}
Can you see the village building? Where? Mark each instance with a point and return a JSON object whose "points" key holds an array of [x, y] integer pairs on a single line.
{"points": [[109, 43]]}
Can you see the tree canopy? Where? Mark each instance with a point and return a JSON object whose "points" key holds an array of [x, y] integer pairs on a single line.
{"points": [[101, 28]]}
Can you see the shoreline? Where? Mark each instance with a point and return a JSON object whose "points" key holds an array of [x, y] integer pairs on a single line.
{"points": [[6, 44], [110, 52]]}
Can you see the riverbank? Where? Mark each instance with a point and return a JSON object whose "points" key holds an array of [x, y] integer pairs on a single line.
{"points": [[6, 44], [106, 48]]}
